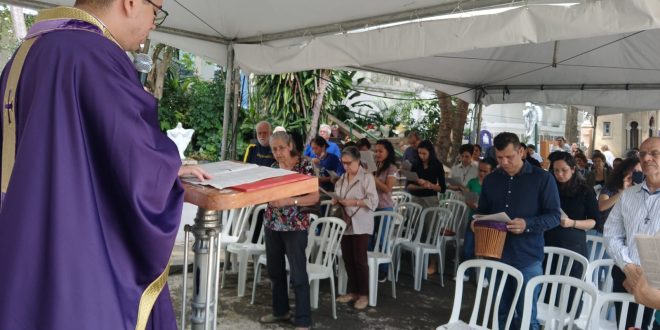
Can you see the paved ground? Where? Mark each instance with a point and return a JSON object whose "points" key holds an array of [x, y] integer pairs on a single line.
{"points": [[411, 309]]}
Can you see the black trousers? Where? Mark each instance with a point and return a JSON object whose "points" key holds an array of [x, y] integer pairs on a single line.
{"points": [[354, 253], [292, 244]]}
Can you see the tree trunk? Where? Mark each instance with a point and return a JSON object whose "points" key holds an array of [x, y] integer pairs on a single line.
{"points": [[460, 117], [318, 103], [18, 20], [443, 138], [156, 78], [571, 129]]}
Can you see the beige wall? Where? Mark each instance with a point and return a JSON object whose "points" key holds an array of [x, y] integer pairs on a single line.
{"points": [[619, 128]]}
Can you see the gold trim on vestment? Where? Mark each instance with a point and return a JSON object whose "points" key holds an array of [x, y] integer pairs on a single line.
{"points": [[153, 290], [149, 297], [77, 14], [8, 113]]}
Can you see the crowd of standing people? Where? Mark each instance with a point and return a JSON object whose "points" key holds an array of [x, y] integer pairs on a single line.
{"points": [[576, 195]]}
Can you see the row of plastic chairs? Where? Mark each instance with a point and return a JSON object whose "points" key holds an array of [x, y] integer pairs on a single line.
{"points": [[444, 224], [563, 290], [400, 196], [321, 252]]}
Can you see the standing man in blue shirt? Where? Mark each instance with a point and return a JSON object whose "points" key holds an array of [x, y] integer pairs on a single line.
{"points": [[529, 196]]}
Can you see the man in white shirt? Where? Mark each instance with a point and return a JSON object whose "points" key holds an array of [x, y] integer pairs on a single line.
{"points": [[637, 212], [560, 145], [466, 169], [609, 156]]}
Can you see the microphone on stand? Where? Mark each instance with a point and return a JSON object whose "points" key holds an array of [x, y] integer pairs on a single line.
{"points": [[143, 64]]}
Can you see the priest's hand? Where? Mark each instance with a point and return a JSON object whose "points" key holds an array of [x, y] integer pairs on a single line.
{"points": [[195, 171]]}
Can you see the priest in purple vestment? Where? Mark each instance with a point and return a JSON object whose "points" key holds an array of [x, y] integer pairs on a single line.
{"points": [[92, 200]]}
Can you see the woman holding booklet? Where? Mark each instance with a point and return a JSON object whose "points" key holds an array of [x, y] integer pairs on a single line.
{"points": [[285, 234], [578, 203], [431, 176], [328, 164], [356, 193]]}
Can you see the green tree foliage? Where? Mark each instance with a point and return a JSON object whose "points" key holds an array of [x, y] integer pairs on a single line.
{"points": [[196, 104], [287, 98], [8, 41]]}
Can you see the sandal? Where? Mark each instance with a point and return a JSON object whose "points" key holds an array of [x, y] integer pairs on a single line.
{"points": [[346, 298], [361, 303], [270, 318]]}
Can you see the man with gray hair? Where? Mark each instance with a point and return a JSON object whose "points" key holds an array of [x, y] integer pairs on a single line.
{"points": [[636, 212], [260, 152], [324, 131]]}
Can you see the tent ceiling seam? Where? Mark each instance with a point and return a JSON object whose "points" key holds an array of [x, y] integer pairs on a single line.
{"points": [[391, 18]]}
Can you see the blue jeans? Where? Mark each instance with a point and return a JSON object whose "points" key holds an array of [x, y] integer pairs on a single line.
{"points": [[292, 244], [528, 272], [382, 268], [468, 243]]}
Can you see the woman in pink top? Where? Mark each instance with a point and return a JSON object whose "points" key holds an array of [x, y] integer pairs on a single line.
{"points": [[385, 180]]}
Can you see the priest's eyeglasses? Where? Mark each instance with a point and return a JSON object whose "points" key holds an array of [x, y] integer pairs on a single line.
{"points": [[159, 13]]}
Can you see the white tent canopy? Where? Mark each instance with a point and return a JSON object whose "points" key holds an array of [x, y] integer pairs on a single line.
{"points": [[590, 52], [508, 52]]}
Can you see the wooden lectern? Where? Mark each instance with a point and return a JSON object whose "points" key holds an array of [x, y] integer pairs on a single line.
{"points": [[206, 229]]}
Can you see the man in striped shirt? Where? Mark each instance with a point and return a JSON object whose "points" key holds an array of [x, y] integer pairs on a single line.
{"points": [[637, 212]]}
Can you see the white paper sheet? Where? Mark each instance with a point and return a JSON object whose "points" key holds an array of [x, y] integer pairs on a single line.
{"points": [[563, 214], [329, 193], [500, 217], [409, 175], [649, 256], [228, 174]]}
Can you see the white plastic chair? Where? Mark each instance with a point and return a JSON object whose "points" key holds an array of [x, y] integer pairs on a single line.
{"points": [[596, 247], [328, 204], [450, 195], [605, 302], [564, 260], [382, 254], [246, 249], [439, 219], [401, 196], [558, 316], [262, 262], [485, 316], [321, 254], [456, 229], [599, 275], [405, 232], [234, 222]]}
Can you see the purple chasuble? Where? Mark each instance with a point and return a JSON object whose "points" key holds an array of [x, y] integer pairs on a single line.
{"points": [[94, 201]]}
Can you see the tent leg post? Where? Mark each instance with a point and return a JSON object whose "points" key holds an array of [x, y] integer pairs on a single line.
{"points": [[228, 96]]}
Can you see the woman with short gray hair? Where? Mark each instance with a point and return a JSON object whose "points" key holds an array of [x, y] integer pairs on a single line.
{"points": [[357, 194], [285, 232]]}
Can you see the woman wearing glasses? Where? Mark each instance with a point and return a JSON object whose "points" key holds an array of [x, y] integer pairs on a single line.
{"points": [[357, 194], [286, 235]]}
